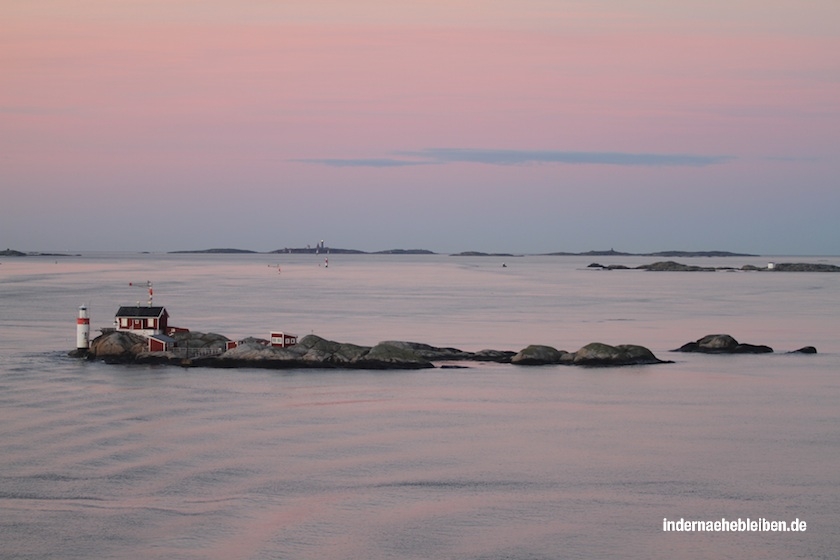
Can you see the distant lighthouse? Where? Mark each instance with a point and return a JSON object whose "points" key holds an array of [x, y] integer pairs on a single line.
{"points": [[83, 329]]}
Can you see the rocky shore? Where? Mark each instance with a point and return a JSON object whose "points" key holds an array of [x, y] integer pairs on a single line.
{"points": [[209, 350], [194, 349]]}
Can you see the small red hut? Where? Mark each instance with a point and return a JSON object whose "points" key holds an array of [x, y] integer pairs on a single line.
{"points": [[160, 343], [281, 339]]}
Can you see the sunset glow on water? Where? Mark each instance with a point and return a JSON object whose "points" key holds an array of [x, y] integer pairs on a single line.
{"points": [[492, 461]]}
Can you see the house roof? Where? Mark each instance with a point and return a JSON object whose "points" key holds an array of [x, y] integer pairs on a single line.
{"points": [[163, 338], [140, 311]]}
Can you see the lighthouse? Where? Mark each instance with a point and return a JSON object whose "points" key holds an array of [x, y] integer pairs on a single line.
{"points": [[83, 329]]}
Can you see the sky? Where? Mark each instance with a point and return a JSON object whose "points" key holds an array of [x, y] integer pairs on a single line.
{"points": [[524, 126]]}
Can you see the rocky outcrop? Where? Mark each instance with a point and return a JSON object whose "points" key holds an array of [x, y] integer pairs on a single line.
{"points": [[672, 266], [595, 354], [387, 355], [428, 352], [256, 354], [599, 354], [11, 253], [207, 349], [537, 354], [117, 346], [722, 344], [805, 267], [609, 266], [199, 340], [320, 350]]}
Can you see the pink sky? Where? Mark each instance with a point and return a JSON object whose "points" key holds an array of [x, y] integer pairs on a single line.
{"points": [[500, 125]]}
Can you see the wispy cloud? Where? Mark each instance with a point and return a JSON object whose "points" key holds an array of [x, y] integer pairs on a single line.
{"points": [[521, 157], [793, 159], [362, 162], [441, 156]]}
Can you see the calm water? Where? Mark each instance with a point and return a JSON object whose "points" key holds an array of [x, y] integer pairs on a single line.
{"points": [[489, 462]]}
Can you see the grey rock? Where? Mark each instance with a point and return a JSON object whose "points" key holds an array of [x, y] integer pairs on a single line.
{"points": [[431, 353], [600, 354], [117, 346], [722, 344], [196, 339], [387, 355], [498, 356], [672, 266], [805, 267], [256, 352], [538, 354]]}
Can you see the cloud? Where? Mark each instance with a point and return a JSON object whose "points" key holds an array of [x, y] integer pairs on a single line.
{"points": [[522, 157], [793, 159], [362, 162], [441, 156]]}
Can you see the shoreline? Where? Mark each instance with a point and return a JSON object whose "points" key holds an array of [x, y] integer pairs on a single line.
{"points": [[341, 251], [314, 352]]}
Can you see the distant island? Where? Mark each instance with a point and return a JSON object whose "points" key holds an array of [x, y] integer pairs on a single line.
{"points": [[320, 249], [480, 254], [672, 254], [13, 253], [214, 251], [673, 266], [309, 251]]}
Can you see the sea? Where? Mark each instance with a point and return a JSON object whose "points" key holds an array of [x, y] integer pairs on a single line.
{"points": [[488, 461]]}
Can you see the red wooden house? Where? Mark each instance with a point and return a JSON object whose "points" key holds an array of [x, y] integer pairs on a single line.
{"points": [[282, 340], [142, 320]]}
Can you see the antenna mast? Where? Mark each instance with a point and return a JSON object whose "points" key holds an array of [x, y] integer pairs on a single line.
{"points": [[148, 284]]}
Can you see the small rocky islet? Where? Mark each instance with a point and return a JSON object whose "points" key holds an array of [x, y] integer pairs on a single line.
{"points": [[726, 344], [197, 349], [674, 266]]}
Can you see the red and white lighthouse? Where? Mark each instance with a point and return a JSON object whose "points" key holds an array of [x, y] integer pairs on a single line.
{"points": [[83, 329]]}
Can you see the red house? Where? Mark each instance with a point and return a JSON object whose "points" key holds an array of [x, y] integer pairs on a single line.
{"points": [[281, 339], [142, 320]]}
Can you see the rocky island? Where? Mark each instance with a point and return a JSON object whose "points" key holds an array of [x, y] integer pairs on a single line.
{"points": [[211, 350], [13, 253], [726, 344], [197, 349]]}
